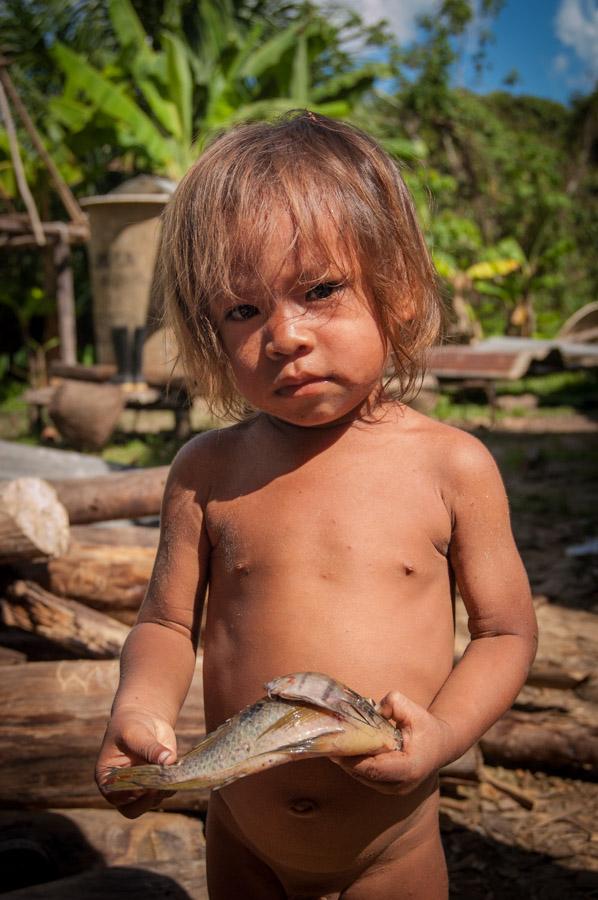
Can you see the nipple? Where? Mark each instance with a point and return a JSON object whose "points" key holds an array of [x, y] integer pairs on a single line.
{"points": [[303, 806]]}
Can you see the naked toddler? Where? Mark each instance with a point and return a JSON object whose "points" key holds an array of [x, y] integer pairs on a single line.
{"points": [[330, 524]]}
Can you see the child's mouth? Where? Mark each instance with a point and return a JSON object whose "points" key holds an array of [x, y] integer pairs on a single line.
{"points": [[305, 387]]}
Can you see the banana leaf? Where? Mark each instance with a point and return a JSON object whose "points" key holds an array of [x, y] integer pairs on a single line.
{"points": [[112, 100], [300, 74], [492, 269], [180, 82]]}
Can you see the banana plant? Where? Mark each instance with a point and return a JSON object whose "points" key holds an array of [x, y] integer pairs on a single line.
{"points": [[162, 103], [484, 276]]}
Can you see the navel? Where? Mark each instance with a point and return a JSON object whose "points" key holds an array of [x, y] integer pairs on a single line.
{"points": [[409, 569], [241, 569], [303, 806]]}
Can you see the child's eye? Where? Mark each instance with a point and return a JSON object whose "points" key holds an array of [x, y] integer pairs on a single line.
{"points": [[323, 291], [242, 312]]}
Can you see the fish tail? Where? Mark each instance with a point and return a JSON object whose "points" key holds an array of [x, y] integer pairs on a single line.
{"points": [[132, 777]]}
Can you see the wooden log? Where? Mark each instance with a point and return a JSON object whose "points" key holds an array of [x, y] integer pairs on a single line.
{"points": [[116, 535], [89, 634], [86, 414], [566, 657], [546, 729], [52, 719], [39, 846], [111, 579], [11, 657], [183, 879], [118, 495], [33, 522]]}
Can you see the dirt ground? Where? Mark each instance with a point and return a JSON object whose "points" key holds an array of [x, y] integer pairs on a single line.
{"points": [[497, 847]]}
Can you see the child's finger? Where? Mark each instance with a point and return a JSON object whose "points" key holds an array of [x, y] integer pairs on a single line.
{"points": [[398, 707], [143, 743]]}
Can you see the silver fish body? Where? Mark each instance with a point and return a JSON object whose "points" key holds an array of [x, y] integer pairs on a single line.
{"points": [[269, 733]]}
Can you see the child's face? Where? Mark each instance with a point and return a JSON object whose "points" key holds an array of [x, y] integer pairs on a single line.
{"points": [[309, 354]]}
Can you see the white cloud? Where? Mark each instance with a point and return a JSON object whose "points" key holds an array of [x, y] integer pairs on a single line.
{"points": [[576, 25], [560, 63], [400, 14]]}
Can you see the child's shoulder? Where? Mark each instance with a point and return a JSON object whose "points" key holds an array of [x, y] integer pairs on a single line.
{"points": [[207, 451], [457, 452]]}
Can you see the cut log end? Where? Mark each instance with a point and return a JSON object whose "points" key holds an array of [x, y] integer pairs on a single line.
{"points": [[33, 522]]}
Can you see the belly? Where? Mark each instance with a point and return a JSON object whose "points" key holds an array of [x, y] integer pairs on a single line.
{"points": [[375, 633], [310, 817], [371, 639]]}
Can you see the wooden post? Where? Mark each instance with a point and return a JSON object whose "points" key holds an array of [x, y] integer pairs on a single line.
{"points": [[21, 180], [69, 201], [65, 299]]}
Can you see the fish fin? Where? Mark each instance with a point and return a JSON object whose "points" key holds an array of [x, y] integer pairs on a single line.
{"points": [[300, 715]]}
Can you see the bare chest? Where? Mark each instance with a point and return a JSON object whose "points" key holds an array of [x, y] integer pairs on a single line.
{"points": [[330, 522]]}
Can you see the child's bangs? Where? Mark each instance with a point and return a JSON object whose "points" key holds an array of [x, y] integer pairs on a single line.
{"points": [[286, 225]]}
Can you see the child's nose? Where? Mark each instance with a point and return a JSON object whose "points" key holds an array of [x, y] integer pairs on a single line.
{"points": [[287, 333]]}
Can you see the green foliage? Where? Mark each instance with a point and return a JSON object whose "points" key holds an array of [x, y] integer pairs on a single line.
{"points": [[506, 186]]}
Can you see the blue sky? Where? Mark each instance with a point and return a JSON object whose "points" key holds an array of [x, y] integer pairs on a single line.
{"points": [[552, 44]]}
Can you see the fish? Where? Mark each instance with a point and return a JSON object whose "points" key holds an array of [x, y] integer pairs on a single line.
{"points": [[304, 715]]}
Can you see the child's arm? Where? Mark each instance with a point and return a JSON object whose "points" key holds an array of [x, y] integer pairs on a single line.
{"points": [[502, 624], [158, 658]]}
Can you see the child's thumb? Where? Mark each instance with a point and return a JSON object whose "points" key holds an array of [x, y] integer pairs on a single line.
{"points": [[398, 707], [144, 743]]}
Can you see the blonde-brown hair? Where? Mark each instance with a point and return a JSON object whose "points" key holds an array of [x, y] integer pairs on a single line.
{"points": [[316, 171]]}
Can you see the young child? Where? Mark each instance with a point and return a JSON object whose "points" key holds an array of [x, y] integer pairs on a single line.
{"points": [[330, 524]]}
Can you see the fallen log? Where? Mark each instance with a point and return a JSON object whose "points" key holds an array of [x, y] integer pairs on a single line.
{"points": [[10, 657], [33, 522], [110, 579], [118, 495], [77, 628], [545, 729], [183, 879], [116, 535], [52, 719], [566, 657], [54, 714], [39, 846]]}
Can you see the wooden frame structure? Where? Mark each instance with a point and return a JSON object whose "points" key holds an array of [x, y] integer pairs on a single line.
{"points": [[27, 229]]}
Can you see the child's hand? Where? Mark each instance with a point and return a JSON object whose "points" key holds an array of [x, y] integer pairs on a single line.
{"points": [[427, 745], [135, 738]]}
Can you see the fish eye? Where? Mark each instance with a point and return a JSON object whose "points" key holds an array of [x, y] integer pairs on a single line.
{"points": [[242, 312]]}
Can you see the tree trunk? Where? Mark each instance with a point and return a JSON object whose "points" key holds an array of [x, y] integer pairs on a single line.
{"points": [[111, 579], [69, 624], [33, 523], [53, 718], [122, 495]]}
